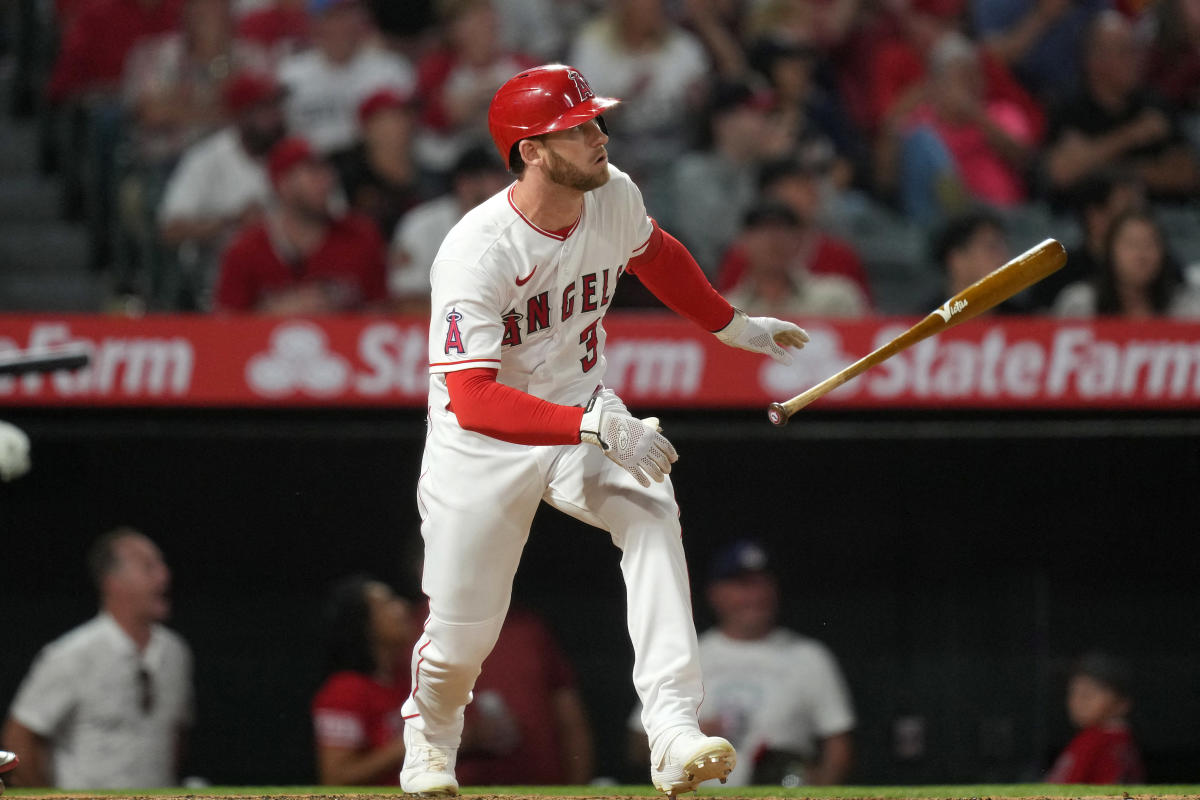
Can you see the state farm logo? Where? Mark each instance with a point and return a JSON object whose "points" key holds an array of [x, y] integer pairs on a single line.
{"points": [[821, 357], [299, 361]]}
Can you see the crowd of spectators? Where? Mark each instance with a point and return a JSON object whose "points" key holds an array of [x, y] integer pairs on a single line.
{"points": [[785, 142]]}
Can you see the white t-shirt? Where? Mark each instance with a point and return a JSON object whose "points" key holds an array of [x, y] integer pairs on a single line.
{"points": [[1079, 299], [323, 98], [509, 295], [416, 242], [216, 178], [84, 693], [782, 692]]}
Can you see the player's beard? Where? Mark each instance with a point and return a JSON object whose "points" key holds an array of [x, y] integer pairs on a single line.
{"points": [[564, 173]]}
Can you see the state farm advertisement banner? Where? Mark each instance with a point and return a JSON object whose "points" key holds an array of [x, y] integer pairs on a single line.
{"points": [[653, 361]]}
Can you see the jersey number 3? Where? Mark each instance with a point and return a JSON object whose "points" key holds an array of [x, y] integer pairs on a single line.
{"points": [[588, 338]]}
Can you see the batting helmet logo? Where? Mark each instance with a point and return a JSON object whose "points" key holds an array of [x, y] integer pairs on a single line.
{"points": [[553, 97]]}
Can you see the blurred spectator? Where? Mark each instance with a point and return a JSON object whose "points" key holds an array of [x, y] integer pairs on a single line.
{"points": [[457, 81], [107, 704], [173, 93], [527, 724], [742, 137], [533, 27], [327, 83], [968, 247], [1099, 199], [1115, 121], [799, 184], [778, 697], [369, 633], [960, 145], [633, 51], [1039, 40], [378, 174], [776, 282], [900, 79], [1174, 68], [811, 115], [281, 28], [1138, 278], [98, 36], [220, 186], [300, 258], [85, 84], [173, 83], [1099, 700], [477, 175], [720, 27]]}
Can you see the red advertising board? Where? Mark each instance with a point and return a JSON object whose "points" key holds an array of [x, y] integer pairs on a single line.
{"points": [[653, 360]]}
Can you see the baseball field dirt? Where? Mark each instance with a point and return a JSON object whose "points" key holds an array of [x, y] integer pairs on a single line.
{"points": [[988, 792]]}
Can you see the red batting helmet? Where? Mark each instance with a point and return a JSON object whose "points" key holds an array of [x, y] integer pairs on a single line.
{"points": [[552, 97]]}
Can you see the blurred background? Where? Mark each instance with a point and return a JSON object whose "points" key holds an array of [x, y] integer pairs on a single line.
{"points": [[956, 530]]}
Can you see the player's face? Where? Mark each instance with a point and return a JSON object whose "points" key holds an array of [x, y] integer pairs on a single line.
{"points": [[576, 157], [141, 578], [1090, 702]]}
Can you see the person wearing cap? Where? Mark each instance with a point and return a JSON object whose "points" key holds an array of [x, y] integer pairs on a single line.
{"points": [[780, 697], [301, 258], [519, 414], [221, 184], [1099, 699], [327, 83], [378, 173], [477, 175]]}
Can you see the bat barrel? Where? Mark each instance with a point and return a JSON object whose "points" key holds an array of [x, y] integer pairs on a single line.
{"points": [[48, 360]]}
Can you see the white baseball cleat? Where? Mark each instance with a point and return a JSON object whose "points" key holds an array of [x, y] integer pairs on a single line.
{"points": [[8, 761], [689, 759], [428, 769]]}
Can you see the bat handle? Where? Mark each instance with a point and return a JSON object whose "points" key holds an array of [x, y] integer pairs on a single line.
{"points": [[777, 414]]}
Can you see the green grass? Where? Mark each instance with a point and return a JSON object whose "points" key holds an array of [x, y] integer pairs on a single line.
{"points": [[1031, 790]]}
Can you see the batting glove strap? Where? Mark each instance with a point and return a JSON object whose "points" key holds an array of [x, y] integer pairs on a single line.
{"points": [[633, 444], [762, 335]]}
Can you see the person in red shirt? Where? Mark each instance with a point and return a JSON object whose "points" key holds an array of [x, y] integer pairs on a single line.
{"points": [[301, 258], [1098, 702], [356, 712]]}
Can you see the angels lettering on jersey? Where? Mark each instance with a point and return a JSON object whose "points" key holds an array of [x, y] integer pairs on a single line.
{"points": [[589, 293]]}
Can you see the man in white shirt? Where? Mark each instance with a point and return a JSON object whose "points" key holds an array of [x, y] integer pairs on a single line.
{"points": [[327, 83], [776, 695], [221, 183], [106, 704]]}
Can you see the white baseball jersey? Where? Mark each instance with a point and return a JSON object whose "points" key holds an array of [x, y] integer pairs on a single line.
{"points": [[530, 302], [781, 692]]}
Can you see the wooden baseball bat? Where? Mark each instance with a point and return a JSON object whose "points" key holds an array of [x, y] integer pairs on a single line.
{"points": [[67, 357], [987, 292]]}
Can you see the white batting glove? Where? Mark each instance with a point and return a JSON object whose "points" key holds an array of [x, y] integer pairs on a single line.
{"points": [[763, 335], [634, 444], [14, 452]]}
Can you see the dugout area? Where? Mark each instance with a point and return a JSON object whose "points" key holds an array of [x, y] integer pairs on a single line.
{"points": [[955, 564]]}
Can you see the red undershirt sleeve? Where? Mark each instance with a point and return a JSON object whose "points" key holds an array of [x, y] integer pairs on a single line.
{"points": [[668, 270], [484, 405]]}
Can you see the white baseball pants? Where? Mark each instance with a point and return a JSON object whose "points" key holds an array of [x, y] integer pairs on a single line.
{"points": [[477, 497]]}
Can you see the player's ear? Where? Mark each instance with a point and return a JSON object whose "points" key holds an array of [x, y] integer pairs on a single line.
{"points": [[530, 151]]}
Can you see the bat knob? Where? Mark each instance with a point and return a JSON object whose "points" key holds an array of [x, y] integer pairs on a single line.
{"points": [[777, 414]]}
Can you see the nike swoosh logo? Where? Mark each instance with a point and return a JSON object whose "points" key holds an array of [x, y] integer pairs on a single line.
{"points": [[525, 280]]}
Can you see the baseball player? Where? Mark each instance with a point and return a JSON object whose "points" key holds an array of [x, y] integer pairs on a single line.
{"points": [[518, 414]]}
